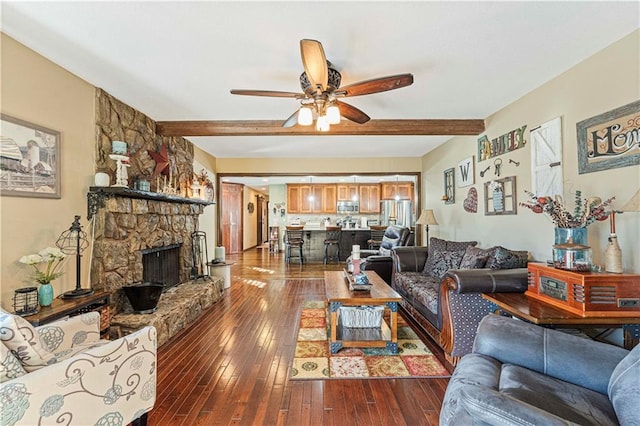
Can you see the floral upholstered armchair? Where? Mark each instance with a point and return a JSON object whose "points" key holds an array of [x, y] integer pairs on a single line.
{"points": [[62, 373]]}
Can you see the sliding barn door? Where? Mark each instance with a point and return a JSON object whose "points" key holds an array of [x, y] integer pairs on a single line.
{"points": [[231, 217]]}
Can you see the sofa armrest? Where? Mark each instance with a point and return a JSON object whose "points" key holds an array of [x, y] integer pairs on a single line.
{"points": [[381, 265], [409, 258], [574, 359], [65, 333], [113, 383], [462, 306], [488, 280]]}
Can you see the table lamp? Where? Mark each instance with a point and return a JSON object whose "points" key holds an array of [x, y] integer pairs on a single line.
{"points": [[427, 218], [613, 253], [73, 241]]}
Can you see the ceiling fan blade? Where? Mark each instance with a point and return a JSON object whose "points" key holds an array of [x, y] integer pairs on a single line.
{"points": [[315, 63], [352, 113], [292, 120], [377, 85], [271, 93]]}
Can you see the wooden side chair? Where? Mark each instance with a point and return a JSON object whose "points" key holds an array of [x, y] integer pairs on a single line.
{"points": [[377, 232], [294, 237], [332, 238]]}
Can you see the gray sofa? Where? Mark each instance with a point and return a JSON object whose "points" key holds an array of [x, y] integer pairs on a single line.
{"points": [[442, 285], [522, 374]]}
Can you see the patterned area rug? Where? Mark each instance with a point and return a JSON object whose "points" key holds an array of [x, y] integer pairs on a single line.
{"points": [[314, 360]]}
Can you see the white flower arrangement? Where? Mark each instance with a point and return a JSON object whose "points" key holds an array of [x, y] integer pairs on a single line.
{"points": [[54, 258], [495, 186]]}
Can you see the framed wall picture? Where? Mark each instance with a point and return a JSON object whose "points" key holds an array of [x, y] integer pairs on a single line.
{"points": [[609, 140], [449, 196], [29, 159], [500, 196], [465, 172]]}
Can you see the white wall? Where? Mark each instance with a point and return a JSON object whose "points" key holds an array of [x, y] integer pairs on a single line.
{"points": [[599, 84]]}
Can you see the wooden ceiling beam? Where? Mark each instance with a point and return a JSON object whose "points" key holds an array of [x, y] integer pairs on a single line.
{"points": [[472, 127]]}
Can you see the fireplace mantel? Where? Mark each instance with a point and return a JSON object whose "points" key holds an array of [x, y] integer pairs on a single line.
{"points": [[97, 195]]}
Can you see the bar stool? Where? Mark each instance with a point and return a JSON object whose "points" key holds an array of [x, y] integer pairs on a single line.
{"points": [[332, 238], [377, 232], [293, 237]]}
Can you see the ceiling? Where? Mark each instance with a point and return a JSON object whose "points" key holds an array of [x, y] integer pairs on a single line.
{"points": [[178, 60]]}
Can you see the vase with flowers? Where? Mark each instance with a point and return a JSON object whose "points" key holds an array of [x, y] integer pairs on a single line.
{"points": [[53, 257], [571, 250]]}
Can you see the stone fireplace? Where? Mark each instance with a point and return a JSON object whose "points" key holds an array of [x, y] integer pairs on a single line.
{"points": [[131, 227]]}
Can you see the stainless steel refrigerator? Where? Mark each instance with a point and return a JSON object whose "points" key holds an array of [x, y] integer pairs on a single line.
{"points": [[401, 211]]}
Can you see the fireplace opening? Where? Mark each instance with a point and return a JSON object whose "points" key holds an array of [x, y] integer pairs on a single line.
{"points": [[162, 265]]}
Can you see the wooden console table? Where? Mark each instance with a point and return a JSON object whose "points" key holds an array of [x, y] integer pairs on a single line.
{"points": [[532, 310], [61, 308]]}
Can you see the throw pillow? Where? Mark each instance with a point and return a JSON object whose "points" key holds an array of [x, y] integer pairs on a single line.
{"points": [[437, 244], [23, 341], [474, 258], [443, 261], [503, 258], [10, 367]]}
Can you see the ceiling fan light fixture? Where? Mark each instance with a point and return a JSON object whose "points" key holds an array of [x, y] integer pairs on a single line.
{"points": [[322, 123], [333, 114], [305, 116]]}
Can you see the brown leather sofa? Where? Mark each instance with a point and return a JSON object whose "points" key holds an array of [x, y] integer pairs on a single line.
{"points": [[448, 304]]}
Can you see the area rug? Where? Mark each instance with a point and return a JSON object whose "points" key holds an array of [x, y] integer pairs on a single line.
{"points": [[313, 359]]}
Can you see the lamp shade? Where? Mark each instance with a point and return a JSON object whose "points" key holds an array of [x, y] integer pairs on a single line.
{"points": [[333, 114], [305, 116], [633, 205], [427, 218]]}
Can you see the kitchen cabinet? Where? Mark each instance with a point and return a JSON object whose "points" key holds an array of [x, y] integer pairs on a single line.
{"points": [[329, 199], [311, 198], [347, 192], [403, 191], [369, 198], [293, 198]]}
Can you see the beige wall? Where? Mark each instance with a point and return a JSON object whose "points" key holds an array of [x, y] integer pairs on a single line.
{"points": [[601, 83], [207, 220], [317, 165], [36, 90]]}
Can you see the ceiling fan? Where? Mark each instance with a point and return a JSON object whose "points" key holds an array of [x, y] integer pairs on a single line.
{"points": [[320, 83]]}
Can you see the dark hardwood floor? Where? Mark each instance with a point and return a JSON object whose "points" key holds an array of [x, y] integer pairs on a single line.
{"points": [[231, 366]]}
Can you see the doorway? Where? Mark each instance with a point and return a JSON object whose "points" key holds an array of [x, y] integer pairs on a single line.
{"points": [[231, 217], [262, 217]]}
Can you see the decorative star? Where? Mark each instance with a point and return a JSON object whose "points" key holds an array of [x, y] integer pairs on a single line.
{"points": [[162, 161]]}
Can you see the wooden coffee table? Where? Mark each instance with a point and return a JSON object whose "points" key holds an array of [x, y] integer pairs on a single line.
{"points": [[338, 295]]}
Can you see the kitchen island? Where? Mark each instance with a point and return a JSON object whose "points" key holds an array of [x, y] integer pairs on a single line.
{"points": [[314, 242]]}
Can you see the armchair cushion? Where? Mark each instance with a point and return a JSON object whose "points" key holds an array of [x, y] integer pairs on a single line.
{"points": [[10, 367], [67, 333], [21, 338]]}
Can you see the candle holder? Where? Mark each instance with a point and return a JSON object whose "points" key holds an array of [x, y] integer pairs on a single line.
{"points": [[25, 301]]}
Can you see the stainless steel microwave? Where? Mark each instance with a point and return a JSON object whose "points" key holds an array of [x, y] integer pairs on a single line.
{"points": [[347, 207]]}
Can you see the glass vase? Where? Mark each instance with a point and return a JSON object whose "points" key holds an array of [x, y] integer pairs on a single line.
{"points": [[571, 250], [45, 294]]}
